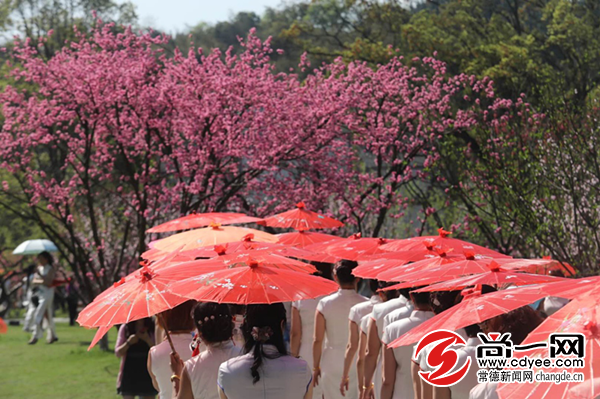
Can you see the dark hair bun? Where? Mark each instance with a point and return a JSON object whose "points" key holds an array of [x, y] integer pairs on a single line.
{"points": [[343, 271], [214, 321]]}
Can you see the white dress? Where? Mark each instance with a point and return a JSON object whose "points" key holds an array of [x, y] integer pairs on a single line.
{"points": [[161, 357], [204, 368], [364, 324], [403, 387], [335, 308], [307, 308], [485, 390], [358, 311], [284, 377], [398, 314], [45, 307], [379, 312]]}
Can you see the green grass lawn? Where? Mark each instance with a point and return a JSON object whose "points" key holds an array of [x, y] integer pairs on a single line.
{"points": [[64, 369]]}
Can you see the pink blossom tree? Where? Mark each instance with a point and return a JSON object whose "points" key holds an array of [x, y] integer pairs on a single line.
{"points": [[110, 136]]}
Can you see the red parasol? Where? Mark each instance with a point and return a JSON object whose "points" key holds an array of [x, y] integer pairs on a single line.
{"points": [[265, 259], [153, 254], [99, 334], [213, 235], [496, 276], [244, 246], [3, 327], [571, 288], [580, 316], [371, 267], [142, 293], [250, 282], [301, 219], [356, 248], [582, 390], [195, 220], [226, 259], [473, 264], [458, 246], [398, 274], [303, 239], [148, 291], [475, 308]]}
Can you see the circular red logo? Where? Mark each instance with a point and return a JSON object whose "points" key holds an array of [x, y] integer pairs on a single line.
{"points": [[442, 359]]}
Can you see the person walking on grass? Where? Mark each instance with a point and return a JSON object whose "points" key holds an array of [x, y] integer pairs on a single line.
{"points": [[42, 286]]}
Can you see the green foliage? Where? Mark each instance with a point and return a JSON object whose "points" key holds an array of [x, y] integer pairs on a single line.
{"points": [[546, 49], [35, 19]]}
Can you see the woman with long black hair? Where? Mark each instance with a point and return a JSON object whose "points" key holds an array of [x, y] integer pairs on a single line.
{"points": [[266, 370], [197, 377]]}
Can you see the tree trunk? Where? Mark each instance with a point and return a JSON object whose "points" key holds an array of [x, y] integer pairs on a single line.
{"points": [[103, 344]]}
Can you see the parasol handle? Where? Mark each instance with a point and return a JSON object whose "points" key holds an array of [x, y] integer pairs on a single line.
{"points": [[161, 321]]}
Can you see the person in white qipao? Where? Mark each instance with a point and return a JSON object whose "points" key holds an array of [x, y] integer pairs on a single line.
{"points": [[266, 371], [197, 377], [331, 322], [180, 324], [397, 378]]}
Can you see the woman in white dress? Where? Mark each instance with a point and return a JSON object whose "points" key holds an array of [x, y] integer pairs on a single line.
{"points": [[197, 377], [373, 359], [397, 378], [331, 322], [42, 282], [303, 324], [180, 324], [357, 312], [266, 371]]}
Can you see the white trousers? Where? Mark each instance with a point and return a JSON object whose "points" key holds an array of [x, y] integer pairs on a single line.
{"points": [[45, 306], [29, 316]]}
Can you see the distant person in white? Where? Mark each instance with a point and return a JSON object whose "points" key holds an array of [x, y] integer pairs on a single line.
{"points": [[42, 283], [180, 324], [303, 324], [373, 360], [301, 339], [331, 322], [197, 377], [397, 378], [357, 312], [31, 299], [266, 371]]}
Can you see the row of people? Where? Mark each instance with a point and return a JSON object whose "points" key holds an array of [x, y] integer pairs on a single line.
{"points": [[220, 369], [343, 336], [351, 333]]}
